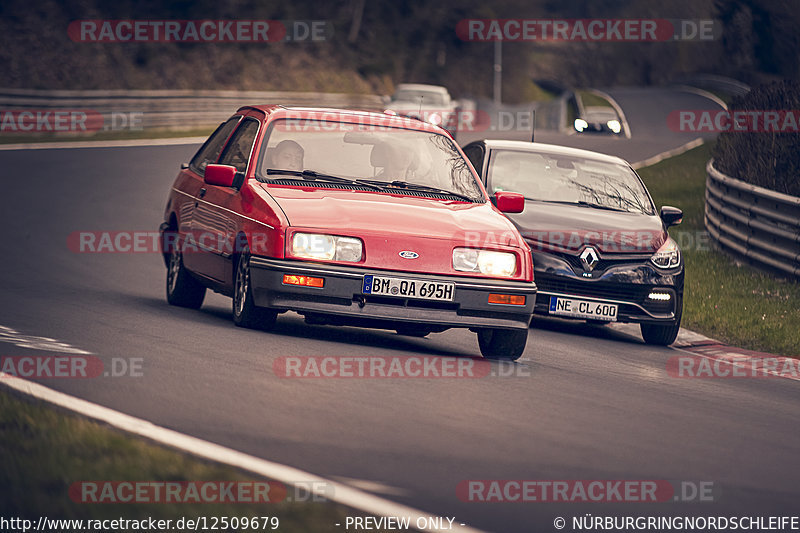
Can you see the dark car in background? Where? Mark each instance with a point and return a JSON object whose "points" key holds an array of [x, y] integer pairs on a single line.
{"points": [[601, 251]]}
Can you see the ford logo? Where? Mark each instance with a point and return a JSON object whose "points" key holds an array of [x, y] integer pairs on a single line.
{"points": [[408, 254]]}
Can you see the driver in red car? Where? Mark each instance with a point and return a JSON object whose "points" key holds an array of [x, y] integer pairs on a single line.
{"points": [[288, 155]]}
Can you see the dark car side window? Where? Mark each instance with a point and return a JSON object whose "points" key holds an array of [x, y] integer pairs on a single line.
{"points": [[237, 152], [209, 152], [475, 156]]}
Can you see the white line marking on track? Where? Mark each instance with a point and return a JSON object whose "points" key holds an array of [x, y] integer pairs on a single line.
{"points": [[669, 153], [47, 344], [705, 94], [341, 493], [372, 486]]}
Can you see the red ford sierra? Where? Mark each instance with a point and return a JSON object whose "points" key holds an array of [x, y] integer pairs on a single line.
{"points": [[347, 218]]}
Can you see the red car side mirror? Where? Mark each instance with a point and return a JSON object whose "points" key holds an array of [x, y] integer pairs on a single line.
{"points": [[222, 175], [509, 202]]}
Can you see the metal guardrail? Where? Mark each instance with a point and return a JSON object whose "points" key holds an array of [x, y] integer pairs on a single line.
{"points": [[176, 110], [756, 223]]}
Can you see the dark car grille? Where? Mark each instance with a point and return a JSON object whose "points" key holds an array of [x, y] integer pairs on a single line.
{"points": [[596, 289], [604, 263]]}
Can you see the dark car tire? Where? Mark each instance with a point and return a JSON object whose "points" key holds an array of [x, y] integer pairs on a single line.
{"points": [[506, 344], [245, 313], [413, 330], [659, 335], [182, 289]]}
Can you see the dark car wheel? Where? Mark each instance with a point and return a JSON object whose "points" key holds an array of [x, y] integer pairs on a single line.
{"points": [[245, 313], [182, 289], [505, 344], [662, 335]]}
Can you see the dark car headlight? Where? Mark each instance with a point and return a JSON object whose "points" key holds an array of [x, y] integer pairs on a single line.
{"points": [[668, 256]]}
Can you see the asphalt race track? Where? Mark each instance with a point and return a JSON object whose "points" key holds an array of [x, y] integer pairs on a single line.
{"points": [[586, 402]]}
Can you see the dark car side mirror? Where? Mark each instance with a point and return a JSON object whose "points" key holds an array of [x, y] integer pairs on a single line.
{"points": [[509, 202], [221, 175], [671, 216]]}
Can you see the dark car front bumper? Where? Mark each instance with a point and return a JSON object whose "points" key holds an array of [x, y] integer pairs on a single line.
{"points": [[626, 284], [341, 297]]}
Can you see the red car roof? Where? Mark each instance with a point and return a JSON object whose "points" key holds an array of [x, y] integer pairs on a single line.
{"points": [[345, 115]]}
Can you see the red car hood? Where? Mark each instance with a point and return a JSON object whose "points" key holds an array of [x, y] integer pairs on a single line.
{"points": [[391, 225], [352, 212]]}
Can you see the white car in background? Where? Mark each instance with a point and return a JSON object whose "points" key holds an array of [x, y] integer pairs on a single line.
{"points": [[430, 103], [599, 119]]}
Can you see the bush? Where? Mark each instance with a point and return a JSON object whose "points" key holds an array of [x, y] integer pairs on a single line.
{"points": [[770, 160]]}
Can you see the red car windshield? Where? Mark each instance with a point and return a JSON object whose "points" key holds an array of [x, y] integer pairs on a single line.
{"points": [[364, 151]]}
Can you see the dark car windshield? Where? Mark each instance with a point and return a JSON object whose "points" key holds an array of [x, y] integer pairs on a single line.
{"points": [[365, 152], [568, 179]]}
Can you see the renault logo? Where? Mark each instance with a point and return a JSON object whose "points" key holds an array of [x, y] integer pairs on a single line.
{"points": [[589, 258]]}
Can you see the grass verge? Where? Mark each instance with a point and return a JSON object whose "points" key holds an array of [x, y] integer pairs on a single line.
{"points": [[724, 298], [106, 136], [44, 450]]}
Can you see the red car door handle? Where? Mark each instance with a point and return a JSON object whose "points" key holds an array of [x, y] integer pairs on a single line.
{"points": [[202, 192]]}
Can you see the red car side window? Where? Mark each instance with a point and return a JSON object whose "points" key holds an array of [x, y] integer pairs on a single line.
{"points": [[210, 151], [237, 152]]}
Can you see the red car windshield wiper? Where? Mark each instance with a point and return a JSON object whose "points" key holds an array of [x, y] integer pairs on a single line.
{"points": [[399, 184], [312, 175]]}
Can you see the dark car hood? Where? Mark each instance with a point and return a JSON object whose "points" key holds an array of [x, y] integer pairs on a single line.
{"points": [[567, 227]]}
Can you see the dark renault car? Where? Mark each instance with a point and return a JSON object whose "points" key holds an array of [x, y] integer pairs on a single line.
{"points": [[601, 252]]}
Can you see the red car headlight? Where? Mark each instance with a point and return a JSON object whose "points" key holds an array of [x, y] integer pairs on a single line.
{"points": [[489, 262], [327, 247]]}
